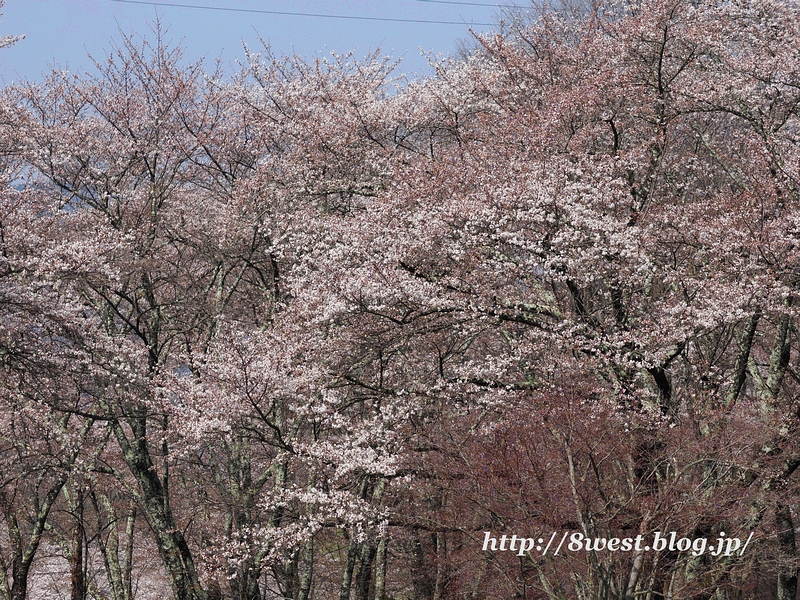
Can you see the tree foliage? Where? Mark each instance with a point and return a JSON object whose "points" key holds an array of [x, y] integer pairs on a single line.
{"points": [[310, 331]]}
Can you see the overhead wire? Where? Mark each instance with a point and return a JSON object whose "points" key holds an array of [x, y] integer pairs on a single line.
{"points": [[301, 14], [462, 3]]}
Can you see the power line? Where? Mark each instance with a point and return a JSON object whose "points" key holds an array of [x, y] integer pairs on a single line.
{"points": [[299, 14], [471, 4]]}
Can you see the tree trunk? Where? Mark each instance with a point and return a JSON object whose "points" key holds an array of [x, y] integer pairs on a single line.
{"points": [[380, 570], [778, 362], [109, 549], [155, 503], [25, 551], [742, 359], [349, 567], [364, 577], [127, 557], [77, 573], [422, 581], [306, 571], [787, 568], [441, 549]]}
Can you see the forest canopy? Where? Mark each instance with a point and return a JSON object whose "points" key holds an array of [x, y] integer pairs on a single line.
{"points": [[311, 331]]}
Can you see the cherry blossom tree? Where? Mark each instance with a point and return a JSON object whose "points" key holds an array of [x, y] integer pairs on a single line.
{"points": [[321, 328], [610, 189]]}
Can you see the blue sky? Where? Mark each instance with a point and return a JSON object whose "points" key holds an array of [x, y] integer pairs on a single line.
{"points": [[63, 32]]}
